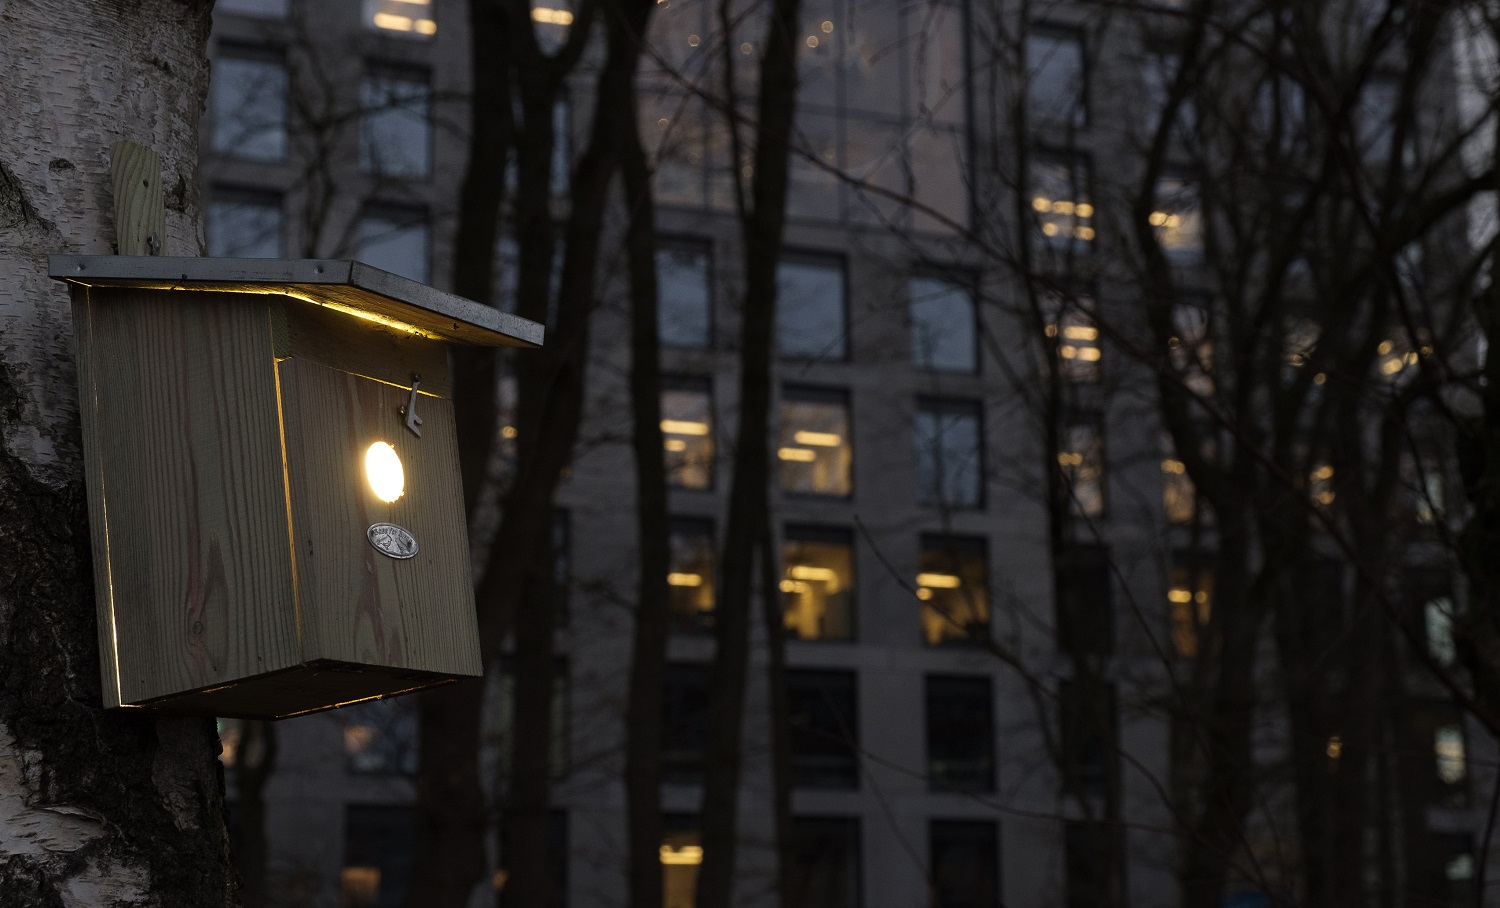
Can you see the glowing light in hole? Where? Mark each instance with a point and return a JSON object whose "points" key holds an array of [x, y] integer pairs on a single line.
{"points": [[383, 470]]}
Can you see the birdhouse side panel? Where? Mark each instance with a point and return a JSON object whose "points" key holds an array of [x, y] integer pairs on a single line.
{"points": [[194, 505], [358, 346], [384, 583]]}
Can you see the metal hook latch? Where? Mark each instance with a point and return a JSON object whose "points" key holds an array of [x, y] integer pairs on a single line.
{"points": [[413, 421]]}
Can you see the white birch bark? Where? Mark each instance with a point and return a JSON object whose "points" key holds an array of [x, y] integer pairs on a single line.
{"points": [[96, 807]]}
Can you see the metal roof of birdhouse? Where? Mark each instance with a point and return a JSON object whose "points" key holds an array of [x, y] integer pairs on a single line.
{"points": [[352, 287]]}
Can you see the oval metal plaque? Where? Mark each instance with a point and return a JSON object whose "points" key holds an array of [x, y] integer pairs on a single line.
{"points": [[392, 540]]}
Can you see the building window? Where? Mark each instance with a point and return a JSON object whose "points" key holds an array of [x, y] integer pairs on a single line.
{"points": [[1082, 462], [1089, 757], [378, 842], [687, 428], [944, 335], [248, 98], [818, 585], [684, 274], [690, 581], [265, 9], [395, 240], [1439, 730], [1430, 592], [953, 585], [503, 731], [950, 454], [825, 863], [395, 138], [1061, 202], [960, 734], [811, 310], [1177, 219], [401, 17], [244, 224], [815, 448], [681, 854], [1072, 320], [684, 726], [1190, 596], [1095, 863], [1179, 497], [822, 711], [1057, 89], [1085, 604], [381, 737], [965, 858]]}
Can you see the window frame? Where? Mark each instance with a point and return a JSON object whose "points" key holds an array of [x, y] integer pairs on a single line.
{"points": [[831, 261], [953, 406], [794, 533], [959, 279], [837, 396]]}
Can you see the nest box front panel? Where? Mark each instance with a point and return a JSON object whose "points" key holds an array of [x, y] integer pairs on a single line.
{"points": [[196, 558], [382, 554]]}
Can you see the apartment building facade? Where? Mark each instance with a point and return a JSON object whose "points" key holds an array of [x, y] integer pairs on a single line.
{"points": [[947, 750]]}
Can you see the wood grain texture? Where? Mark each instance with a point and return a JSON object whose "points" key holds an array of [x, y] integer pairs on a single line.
{"points": [[190, 458], [348, 344], [88, 417], [357, 605], [140, 215]]}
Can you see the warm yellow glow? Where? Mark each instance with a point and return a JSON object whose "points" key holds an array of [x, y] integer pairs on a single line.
{"points": [[800, 455], [827, 27], [1322, 473], [426, 27], [808, 572], [1089, 354], [1391, 366], [1062, 206], [1335, 747], [1041, 204], [683, 427], [923, 593], [1385, 347], [1176, 467], [812, 40], [383, 470], [1179, 594], [508, 432], [1325, 498], [1081, 332], [940, 581], [548, 16], [1049, 229], [1410, 358], [794, 586], [687, 854], [675, 445], [393, 23], [818, 439], [1050, 330], [1084, 233], [1085, 210], [1157, 218], [1320, 378], [1070, 458], [676, 579]]}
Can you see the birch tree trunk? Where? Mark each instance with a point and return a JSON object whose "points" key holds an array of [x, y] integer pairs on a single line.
{"points": [[96, 807]]}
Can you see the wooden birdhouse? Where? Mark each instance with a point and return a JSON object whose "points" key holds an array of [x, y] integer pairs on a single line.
{"points": [[274, 497]]}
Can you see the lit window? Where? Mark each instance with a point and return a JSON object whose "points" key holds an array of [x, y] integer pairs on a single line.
{"points": [[1455, 851], [381, 737], [818, 583], [1190, 598], [810, 320], [950, 454], [248, 100], [500, 724], [1443, 725], [943, 335], [551, 20], [1085, 601], [1179, 497], [1072, 321], [823, 715], [681, 854], [960, 733], [1429, 590], [378, 843], [684, 727], [1058, 87], [1061, 206], [1089, 756], [1082, 462], [396, 133], [965, 858], [1320, 486], [690, 580], [952, 583], [815, 450], [244, 224], [684, 274], [1177, 219], [825, 867], [687, 429], [406, 18], [396, 241]]}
